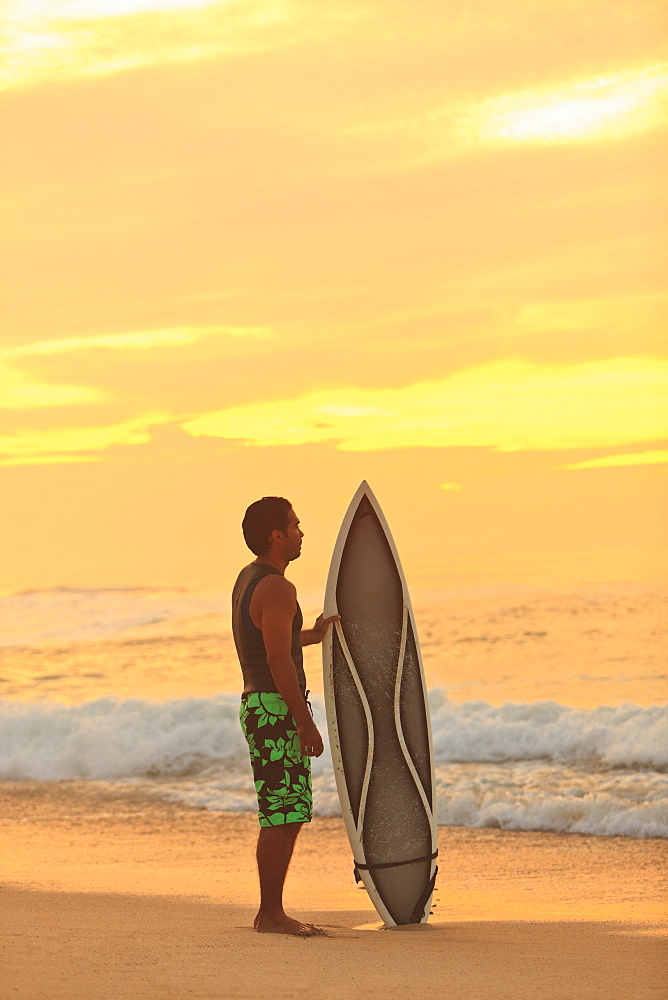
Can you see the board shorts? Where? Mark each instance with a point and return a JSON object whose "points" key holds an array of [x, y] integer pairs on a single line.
{"points": [[282, 773]]}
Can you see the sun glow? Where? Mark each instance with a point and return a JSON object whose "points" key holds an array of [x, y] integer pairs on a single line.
{"points": [[281, 246], [76, 10], [60, 39], [510, 406], [606, 107]]}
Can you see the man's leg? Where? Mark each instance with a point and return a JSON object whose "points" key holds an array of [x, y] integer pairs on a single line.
{"points": [[283, 786], [275, 845]]}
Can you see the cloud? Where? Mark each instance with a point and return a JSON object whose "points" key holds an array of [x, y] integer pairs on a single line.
{"points": [[656, 457], [584, 110], [37, 447], [20, 392], [64, 39], [140, 341], [510, 406], [607, 107], [615, 313], [74, 10], [49, 459]]}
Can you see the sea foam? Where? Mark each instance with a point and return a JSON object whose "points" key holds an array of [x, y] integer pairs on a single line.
{"points": [[532, 766], [115, 738], [623, 736]]}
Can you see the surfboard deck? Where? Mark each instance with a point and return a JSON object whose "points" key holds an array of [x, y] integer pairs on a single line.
{"points": [[378, 717]]}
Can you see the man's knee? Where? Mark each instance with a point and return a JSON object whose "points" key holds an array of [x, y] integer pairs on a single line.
{"points": [[290, 830], [287, 831]]}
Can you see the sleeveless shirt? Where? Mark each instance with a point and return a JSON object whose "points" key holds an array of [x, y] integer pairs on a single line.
{"points": [[248, 637]]}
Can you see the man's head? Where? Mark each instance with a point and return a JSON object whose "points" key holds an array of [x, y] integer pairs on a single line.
{"points": [[271, 521]]}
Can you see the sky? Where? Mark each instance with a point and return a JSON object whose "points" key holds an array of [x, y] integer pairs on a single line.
{"points": [[259, 247]]}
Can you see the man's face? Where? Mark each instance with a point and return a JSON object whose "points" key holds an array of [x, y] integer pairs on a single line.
{"points": [[294, 535]]}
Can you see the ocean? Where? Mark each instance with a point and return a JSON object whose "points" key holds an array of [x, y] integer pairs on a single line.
{"points": [[548, 705]]}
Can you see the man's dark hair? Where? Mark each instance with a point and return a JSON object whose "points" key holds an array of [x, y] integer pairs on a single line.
{"points": [[260, 520]]}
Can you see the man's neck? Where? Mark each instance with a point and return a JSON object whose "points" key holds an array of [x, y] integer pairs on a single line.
{"points": [[273, 559]]}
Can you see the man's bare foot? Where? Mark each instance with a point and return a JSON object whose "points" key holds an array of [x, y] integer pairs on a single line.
{"points": [[283, 924]]}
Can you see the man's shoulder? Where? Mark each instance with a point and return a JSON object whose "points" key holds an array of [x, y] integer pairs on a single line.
{"points": [[258, 571], [244, 577], [275, 583], [274, 589]]}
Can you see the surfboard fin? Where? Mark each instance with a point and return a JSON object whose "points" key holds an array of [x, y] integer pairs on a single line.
{"points": [[419, 908], [418, 912]]}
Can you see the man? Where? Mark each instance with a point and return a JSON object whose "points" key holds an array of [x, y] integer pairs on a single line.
{"points": [[275, 715]]}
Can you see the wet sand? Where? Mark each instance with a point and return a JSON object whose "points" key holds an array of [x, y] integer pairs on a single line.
{"points": [[113, 894]]}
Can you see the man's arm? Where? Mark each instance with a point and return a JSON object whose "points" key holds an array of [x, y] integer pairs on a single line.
{"points": [[309, 636], [276, 607]]}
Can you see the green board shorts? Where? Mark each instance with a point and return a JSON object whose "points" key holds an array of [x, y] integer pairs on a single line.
{"points": [[282, 773]]}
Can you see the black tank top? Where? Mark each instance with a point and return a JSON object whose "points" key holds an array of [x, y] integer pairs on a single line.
{"points": [[248, 638]]}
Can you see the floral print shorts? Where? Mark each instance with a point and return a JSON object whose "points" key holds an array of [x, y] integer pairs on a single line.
{"points": [[282, 773]]}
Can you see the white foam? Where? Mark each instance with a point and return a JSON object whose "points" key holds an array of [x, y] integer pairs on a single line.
{"points": [[622, 736], [534, 766], [111, 738], [543, 797]]}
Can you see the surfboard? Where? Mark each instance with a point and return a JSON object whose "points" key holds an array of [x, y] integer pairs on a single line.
{"points": [[378, 717]]}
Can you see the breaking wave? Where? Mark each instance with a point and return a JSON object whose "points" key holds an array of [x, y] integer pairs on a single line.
{"points": [[531, 766]]}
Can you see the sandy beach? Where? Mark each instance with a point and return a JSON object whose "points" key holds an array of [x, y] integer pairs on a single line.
{"points": [[109, 893]]}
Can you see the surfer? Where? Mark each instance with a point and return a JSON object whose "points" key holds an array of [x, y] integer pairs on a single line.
{"points": [[275, 715]]}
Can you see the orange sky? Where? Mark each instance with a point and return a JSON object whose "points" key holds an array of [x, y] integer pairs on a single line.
{"points": [[274, 246]]}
